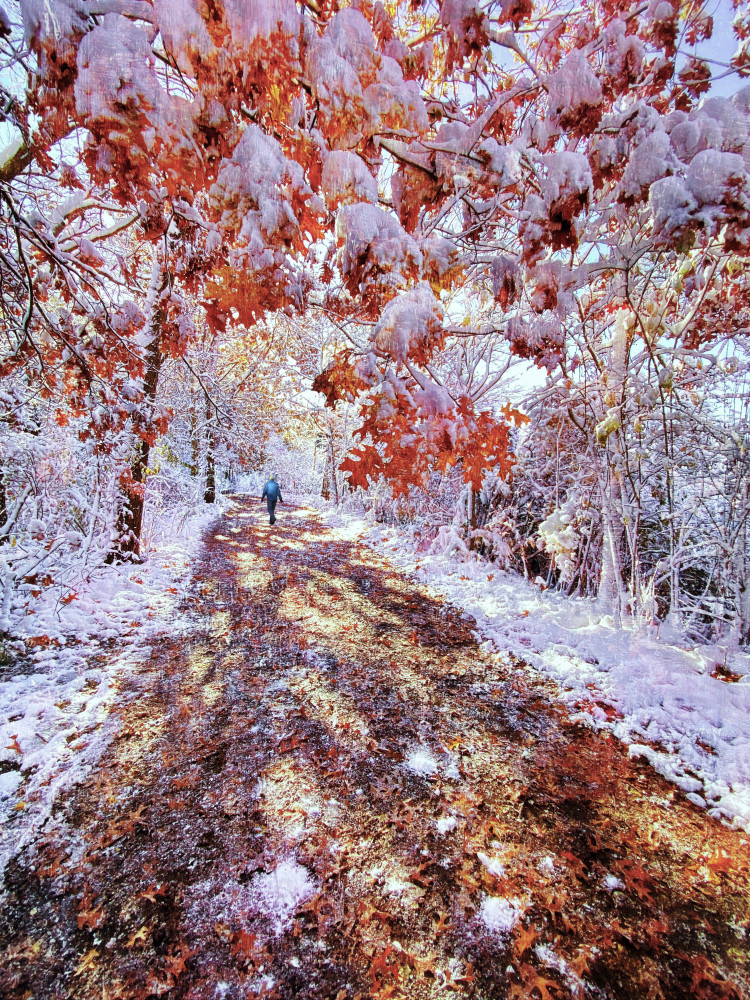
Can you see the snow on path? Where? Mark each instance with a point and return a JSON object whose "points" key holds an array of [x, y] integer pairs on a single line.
{"points": [[693, 728], [56, 697], [326, 788]]}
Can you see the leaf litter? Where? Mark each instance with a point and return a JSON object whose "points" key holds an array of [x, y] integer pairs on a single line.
{"points": [[308, 798]]}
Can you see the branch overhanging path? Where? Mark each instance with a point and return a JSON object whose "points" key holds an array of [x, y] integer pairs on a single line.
{"points": [[329, 790]]}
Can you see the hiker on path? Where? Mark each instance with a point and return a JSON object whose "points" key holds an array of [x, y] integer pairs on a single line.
{"points": [[272, 494]]}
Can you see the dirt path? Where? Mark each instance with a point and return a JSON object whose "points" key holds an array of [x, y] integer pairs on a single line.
{"points": [[329, 791]]}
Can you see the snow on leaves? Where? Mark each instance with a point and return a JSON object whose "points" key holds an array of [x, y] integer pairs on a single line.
{"points": [[347, 180], [467, 28], [411, 326], [262, 202], [575, 94], [695, 171], [261, 198], [377, 257], [551, 220], [359, 91]]}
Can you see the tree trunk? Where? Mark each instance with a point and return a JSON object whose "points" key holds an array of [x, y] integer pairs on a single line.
{"points": [[3, 501], [127, 542], [610, 596], [194, 443], [332, 468], [210, 494], [325, 489], [471, 519]]}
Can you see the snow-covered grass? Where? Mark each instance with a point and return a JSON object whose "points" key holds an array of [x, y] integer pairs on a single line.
{"points": [[655, 692], [62, 670]]}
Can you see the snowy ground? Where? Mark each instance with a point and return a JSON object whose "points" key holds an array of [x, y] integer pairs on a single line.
{"points": [[659, 697], [56, 693]]}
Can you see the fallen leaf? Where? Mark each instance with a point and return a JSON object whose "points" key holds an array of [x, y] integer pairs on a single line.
{"points": [[138, 937], [87, 962]]}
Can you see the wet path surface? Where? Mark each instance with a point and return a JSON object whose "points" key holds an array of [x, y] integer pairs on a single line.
{"points": [[327, 790]]}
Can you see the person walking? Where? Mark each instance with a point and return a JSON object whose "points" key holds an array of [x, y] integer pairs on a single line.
{"points": [[272, 496]]}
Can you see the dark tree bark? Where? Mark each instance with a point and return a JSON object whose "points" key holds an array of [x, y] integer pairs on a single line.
{"points": [[126, 545], [210, 494], [3, 501]]}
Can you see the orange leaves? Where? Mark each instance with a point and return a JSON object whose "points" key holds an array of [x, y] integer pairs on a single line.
{"points": [[411, 428], [87, 962], [531, 984], [385, 970], [177, 959], [91, 919], [40, 641], [249, 295], [339, 380], [636, 878], [720, 863], [139, 937], [707, 983], [122, 828], [153, 892], [245, 946], [523, 940]]}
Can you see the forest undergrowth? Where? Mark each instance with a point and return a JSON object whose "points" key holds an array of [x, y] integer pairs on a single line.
{"points": [[326, 789]]}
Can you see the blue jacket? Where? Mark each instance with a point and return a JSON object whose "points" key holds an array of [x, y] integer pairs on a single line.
{"points": [[272, 491]]}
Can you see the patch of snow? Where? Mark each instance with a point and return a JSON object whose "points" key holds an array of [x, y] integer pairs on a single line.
{"points": [[9, 783], [500, 915], [396, 887], [612, 882], [280, 893], [445, 824], [493, 866], [547, 865], [421, 761]]}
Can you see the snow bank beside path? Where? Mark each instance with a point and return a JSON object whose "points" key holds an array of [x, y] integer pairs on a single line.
{"points": [[56, 696], [656, 696]]}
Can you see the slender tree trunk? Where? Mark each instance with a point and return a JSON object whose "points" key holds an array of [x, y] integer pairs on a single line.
{"points": [[325, 489], [332, 467], [194, 443], [210, 494], [3, 501], [610, 595], [470, 514]]}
